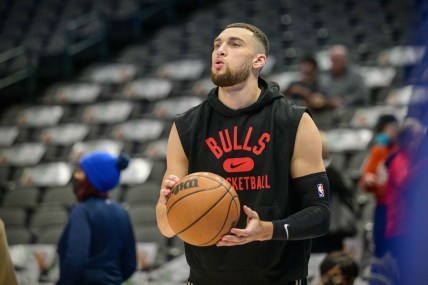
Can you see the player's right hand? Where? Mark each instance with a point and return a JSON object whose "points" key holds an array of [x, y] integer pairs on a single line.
{"points": [[168, 184]]}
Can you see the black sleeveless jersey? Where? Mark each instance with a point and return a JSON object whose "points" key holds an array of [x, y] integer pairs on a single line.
{"points": [[251, 148]]}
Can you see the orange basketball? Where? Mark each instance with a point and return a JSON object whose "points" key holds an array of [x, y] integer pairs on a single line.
{"points": [[202, 208]]}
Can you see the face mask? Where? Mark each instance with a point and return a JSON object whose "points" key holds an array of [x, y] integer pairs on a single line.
{"points": [[331, 282], [335, 280], [75, 183], [78, 188], [382, 139]]}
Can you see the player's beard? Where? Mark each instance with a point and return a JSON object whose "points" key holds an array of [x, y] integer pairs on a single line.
{"points": [[231, 77]]}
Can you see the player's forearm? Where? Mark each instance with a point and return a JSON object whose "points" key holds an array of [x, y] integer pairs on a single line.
{"points": [[162, 220], [313, 219], [311, 222]]}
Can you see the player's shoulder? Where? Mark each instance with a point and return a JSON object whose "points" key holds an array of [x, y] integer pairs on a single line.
{"points": [[286, 110], [192, 115]]}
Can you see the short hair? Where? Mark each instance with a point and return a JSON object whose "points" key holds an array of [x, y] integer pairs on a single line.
{"points": [[338, 50], [383, 121], [258, 34], [309, 58], [346, 263]]}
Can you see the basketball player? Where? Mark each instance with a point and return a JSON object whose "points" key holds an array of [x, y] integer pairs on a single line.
{"points": [[270, 151]]}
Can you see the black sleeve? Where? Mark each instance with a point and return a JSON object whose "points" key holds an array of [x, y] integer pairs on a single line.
{"points": [[314, 218]]}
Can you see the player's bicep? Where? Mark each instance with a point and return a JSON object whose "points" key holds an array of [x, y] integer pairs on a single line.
{"points": [[307, 156], [176, 163]]}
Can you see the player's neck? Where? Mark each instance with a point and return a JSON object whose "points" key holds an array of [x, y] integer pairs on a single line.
{"points": [[239, 96]]}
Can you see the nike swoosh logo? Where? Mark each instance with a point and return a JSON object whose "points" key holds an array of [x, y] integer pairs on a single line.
{"points": [[286, 229], [236, 165]]}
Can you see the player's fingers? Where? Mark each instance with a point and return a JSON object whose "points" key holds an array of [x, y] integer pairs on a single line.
{"points": [[165, 194], [231, 240], [225, 243], [250, 213], [173, 178], [239, 232], [170, 183]]}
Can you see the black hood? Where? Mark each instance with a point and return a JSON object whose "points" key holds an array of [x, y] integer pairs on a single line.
{"points": [[269, 93]]}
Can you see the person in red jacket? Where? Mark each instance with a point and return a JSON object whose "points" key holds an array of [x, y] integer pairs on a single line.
{"points": [[373, 178]]}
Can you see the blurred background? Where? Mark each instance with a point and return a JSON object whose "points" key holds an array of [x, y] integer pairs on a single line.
{"points": [[78, 76]]}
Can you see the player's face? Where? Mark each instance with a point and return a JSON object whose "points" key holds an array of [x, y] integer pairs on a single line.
{"points": [[232, 57]]}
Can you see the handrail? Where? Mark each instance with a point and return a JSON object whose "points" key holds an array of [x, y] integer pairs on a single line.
{"points": [[167, 5], [75, 46], [12, 53], [23, 73], [81, 21]]}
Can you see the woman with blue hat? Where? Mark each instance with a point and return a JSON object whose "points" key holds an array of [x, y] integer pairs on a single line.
{"points": [[98, 244]]}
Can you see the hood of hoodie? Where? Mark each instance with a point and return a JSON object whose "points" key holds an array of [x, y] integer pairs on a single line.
{"points": [[269, 93]]}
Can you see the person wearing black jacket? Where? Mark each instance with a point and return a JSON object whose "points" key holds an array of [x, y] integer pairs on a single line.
{"points": [[280, 178]]}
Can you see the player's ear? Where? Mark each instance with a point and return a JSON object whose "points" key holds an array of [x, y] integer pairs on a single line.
{"points": [[259, 61]]}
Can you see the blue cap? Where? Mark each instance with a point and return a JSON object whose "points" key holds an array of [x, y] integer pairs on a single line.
{"points": [[103, 170]]}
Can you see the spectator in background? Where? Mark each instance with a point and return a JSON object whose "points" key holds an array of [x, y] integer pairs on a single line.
{"points": [[98, 244], [338, 268], [7, 270], [400, 170], [343, 85], [307, 90], [373, 178], [342, 193]]}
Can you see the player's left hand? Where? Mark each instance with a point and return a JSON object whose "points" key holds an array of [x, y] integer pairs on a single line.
{"points": [[256, 230]]}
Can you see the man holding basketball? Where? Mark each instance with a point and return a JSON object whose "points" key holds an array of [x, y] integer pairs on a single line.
{"points": [[270, 151]]}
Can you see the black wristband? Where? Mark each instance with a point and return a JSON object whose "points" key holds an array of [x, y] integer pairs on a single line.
{"points": [[280, 230]]}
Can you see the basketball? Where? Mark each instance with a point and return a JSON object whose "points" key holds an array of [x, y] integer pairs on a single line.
{"points": [[202, 208]]}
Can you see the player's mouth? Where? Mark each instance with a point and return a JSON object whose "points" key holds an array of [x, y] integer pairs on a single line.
{"points": [[218, 63]]}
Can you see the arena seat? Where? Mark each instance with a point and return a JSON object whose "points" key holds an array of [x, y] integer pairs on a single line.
{"points": [[47, 174], [13, 216], [18, 235], [142, 215], [8, 134], [138, 171], [87, 146], [50, 235], [62, 196], [46, 217], [26, 198], [146, 193]]}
